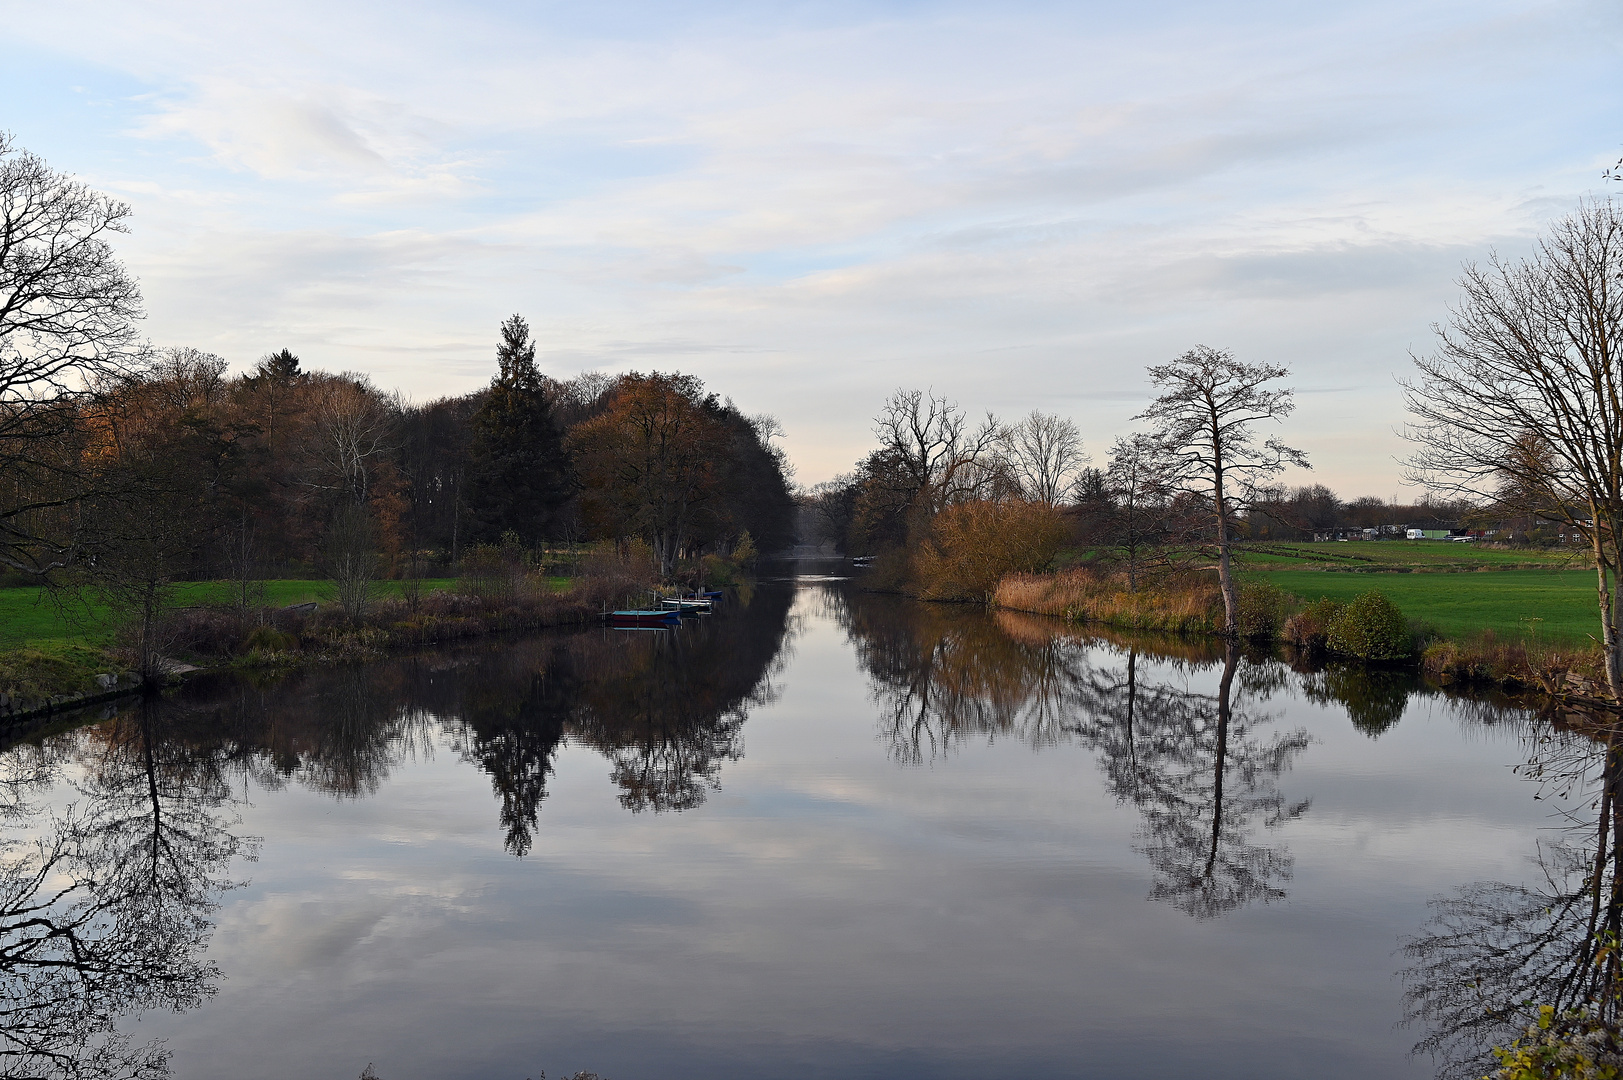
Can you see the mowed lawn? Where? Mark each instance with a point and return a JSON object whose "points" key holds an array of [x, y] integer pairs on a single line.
{"points": [[27, 615], [1562, 601]]}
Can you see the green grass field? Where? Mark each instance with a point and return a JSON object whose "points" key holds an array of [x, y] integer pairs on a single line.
{"points": [[1461, 589], [1383, 555], [1464, 604], [26, 615]]}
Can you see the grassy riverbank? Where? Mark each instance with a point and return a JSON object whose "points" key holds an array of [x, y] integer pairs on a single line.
{"points": [[1457, 590], [1488, 615], [1543, 604], [50, 648], [29, 615]]}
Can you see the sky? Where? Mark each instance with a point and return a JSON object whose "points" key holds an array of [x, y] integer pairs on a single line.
{"points": [[1017, 205]]}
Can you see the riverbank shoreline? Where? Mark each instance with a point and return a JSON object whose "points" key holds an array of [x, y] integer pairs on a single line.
{"points": [[47, 678], [1192, 606]]}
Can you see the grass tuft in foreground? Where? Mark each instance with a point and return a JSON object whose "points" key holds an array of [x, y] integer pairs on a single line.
{"points": [[47, 669]]}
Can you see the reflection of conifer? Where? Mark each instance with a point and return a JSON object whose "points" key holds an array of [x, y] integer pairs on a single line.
{"points": [[515, 726]]}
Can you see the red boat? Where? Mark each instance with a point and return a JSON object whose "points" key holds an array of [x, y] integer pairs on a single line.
{"points": [[644, 618]]}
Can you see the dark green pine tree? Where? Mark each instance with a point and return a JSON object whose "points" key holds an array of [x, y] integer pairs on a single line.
{"points": [[520, 474]]}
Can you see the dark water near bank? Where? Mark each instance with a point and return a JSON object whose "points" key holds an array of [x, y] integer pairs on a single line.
{"points": [[820, 834]]}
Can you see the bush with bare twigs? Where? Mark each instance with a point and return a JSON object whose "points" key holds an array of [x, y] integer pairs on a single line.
{"points": [[973, 545]]}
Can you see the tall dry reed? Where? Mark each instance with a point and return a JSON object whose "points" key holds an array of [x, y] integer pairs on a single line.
{"points": [[1180, 603]]}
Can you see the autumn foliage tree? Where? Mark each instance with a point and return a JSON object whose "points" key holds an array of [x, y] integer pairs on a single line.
{"points": [[677, 467], [129, 468]]}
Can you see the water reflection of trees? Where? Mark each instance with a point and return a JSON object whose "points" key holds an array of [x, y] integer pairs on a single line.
{"points": [[1204, 777], [106, 905], [1494, 952], [666, 708], [1198, 766]]}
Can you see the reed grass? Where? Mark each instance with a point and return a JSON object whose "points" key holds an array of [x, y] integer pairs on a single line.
{"points": [[1486, 659], [1182, 603]]}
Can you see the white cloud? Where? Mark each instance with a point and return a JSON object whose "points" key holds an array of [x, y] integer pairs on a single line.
{"points": [[809, 209]]}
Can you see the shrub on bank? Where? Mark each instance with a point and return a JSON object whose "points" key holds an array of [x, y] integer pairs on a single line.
{"points": [[1489, 660], [267, 639], [1263, 608], [611, 576], [1576, 1045], [1371, 628], [974, 545], [1309, 629]]}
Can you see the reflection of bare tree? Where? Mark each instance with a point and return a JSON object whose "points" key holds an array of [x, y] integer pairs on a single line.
{"points": [[106, 908], [1494, 952], [1202, 779], [941, 675], [361, 732], [1196, 766]]}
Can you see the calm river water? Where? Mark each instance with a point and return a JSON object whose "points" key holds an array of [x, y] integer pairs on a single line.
{"points": [[820, 834]]}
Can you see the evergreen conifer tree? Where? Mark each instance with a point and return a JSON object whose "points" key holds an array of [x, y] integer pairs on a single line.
{"points": [[521, 477]]}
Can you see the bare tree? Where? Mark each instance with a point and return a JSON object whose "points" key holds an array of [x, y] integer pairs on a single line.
{"points": [[1044, 450], [352, 557], [1203, 425], [1523, 399], [938, 457], [68, 312], [355, 433], [1134, 484]]}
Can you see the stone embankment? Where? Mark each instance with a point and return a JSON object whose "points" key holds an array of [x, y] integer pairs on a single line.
{"points": [[14, 709]]}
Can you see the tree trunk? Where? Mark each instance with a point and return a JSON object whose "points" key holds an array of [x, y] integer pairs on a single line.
{"points": [[1606, 599], [1225, 572], [1231, 657], [1132, 546]]}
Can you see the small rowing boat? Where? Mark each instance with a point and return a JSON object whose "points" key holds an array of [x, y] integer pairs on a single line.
{"points": [[645, 618]]}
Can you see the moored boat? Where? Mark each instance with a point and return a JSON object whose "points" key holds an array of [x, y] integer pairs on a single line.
{"points": [[645, 618]]}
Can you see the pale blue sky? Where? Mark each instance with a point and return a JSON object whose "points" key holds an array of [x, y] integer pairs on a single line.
{"points": [[1020, 205]]}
